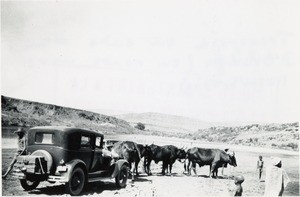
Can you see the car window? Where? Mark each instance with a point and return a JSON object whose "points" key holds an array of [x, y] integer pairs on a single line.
{"points": [[98, 142], [85, 141], [44, 138]]}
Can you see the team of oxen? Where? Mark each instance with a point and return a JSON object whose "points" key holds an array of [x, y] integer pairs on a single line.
{"points": [[168, 154]]}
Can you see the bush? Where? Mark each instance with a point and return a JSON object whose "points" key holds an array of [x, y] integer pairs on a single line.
{"points": [[84, 115], [292, 145], [140, 126]]}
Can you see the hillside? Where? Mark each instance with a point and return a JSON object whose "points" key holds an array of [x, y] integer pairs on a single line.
{"points": [[166, 122], [17, 112], [282, 136]]}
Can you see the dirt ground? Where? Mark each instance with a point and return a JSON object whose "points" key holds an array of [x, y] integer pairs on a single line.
{"points": [[178, 184]]}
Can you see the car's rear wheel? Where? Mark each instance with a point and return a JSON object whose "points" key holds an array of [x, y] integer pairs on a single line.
{"points": [[76, 183], [121, 178], [29, 185]]}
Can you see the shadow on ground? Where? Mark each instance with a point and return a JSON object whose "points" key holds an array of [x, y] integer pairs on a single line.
{"points": [[90, 188]]}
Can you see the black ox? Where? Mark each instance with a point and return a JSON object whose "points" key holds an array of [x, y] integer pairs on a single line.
{"points": [[145, 152], [215, 158], [167, 154]]}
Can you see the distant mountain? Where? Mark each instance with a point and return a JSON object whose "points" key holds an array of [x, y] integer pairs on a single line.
{"points": [[166, 122], [17, 112]]}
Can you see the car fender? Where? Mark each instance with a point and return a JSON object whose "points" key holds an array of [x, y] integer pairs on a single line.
{"points": [[118, 166], [71, 165]]}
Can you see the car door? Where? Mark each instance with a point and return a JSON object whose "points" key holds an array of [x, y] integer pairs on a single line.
{"points": [[86, 149], [102, 157]]}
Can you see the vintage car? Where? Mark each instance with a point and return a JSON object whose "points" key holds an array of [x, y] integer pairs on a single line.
{"points": [[66, 155]]}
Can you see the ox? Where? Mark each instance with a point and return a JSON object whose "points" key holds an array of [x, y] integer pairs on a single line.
{"points": [[167, 154], [145, 151], [215, 158], [129, 151]]}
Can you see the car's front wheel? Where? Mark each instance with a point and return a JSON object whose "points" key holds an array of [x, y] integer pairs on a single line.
{"points": [[121, 178], [76, 183], [29, 185]]}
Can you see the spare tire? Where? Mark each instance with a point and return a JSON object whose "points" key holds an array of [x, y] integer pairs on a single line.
{"points": [[47, 157]]}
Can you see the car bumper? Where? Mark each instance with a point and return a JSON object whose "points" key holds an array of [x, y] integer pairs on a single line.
{"points": [[19, 175], [59, 179]]}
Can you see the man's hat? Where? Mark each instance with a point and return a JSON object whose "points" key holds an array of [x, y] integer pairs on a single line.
{"points": [[20, 130]]}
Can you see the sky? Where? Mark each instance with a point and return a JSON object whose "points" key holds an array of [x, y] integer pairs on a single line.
{"points": [[216, 60]]}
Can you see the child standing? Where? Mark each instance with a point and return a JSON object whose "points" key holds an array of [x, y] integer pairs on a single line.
{"points": [[260, 165]]}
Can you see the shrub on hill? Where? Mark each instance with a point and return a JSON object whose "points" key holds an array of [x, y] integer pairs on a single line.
{"points": [[140, 126]]}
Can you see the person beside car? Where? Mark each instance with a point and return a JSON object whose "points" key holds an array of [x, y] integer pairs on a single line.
{"points": [[21, 149]]}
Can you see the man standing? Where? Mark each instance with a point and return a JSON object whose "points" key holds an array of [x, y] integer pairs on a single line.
{"points": [[276, 178], [21, 149]]}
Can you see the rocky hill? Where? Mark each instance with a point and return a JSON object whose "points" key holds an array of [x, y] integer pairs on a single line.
{"points": [[282, 136], [17, 112]]}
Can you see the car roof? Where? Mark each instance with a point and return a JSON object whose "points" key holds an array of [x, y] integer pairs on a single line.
{"points": [[65, 129]]}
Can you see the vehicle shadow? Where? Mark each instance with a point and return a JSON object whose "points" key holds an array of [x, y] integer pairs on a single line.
{"points": [[49, 190], [90, 188], [99, 187]]}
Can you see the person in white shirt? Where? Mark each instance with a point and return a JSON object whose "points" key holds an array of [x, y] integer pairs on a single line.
{"points": [[276, 178]]}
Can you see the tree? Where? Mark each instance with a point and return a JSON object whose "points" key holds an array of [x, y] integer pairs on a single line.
{"points": [[140, 126]]}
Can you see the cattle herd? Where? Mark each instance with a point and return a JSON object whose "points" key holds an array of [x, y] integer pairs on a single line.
{"points": [[168, 154]]}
